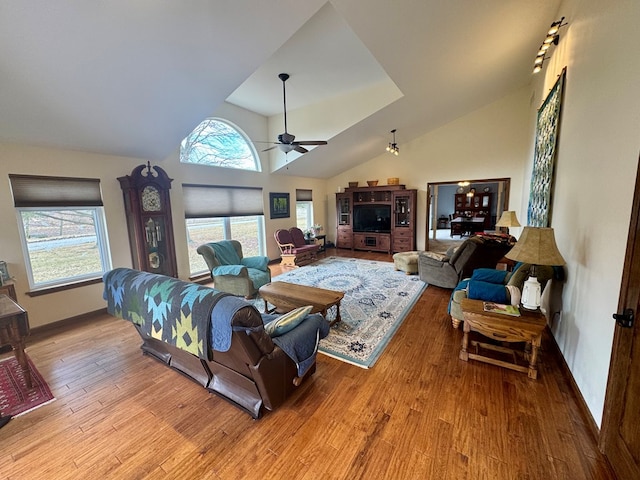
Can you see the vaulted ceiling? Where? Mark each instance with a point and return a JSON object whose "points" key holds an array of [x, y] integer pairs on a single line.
{"points": [[134, 78]]}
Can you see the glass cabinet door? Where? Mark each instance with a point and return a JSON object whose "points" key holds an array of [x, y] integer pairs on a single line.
{"points": [[402, 211], [344, 210]]}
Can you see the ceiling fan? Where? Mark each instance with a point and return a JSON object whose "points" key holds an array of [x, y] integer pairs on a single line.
{"points": [[286, 142]]}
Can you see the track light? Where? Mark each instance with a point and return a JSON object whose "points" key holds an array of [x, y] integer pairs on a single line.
{"points": [[393, 146], [552, 38]]}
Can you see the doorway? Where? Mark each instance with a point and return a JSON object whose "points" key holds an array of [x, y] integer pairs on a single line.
{"points": [[620, 434], [441, 207]]}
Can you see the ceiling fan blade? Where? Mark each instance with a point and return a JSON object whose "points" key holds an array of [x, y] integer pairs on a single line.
{"points": [[311, 142], [270, 148], [300, 149]]}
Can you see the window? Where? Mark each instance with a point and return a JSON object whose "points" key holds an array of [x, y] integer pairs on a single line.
{"points": [[62, 229], [214, 213], [219, 143], [304, 209]]}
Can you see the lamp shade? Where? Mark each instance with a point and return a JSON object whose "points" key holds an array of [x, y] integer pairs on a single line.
{"points": [[537, 246], [508, 219]]}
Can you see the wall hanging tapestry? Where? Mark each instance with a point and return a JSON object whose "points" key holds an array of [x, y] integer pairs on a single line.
{"points": [[547, 127]]}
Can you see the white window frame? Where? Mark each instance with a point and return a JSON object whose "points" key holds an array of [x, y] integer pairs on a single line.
{"points": [[257, 166], [101, 241], [226, 227], [308, 205]]}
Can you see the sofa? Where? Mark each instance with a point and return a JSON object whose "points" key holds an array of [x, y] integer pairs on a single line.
{"points": [[294, 251], [500, 286], [446, 270], [216, 339], [231, 271]]}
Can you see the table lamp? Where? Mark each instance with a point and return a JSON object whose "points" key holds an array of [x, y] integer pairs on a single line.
{"points": [[508, 219], [536, 246]]}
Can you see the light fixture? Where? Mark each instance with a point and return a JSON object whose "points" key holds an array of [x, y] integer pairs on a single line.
{"points": [[393, 146], [552, 38], [536, 246], [508, 219]]}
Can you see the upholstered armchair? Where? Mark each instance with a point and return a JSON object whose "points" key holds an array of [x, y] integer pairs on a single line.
{"points": [[233, 273], [446, 270], [505, 287]]}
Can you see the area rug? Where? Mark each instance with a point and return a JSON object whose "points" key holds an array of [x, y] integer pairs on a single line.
{"points": [[376, 300], [15, 398]]}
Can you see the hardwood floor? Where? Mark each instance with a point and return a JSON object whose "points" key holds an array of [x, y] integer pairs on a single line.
{"points": [[419, 413]]}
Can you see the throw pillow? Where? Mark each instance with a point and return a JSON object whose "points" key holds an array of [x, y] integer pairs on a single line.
{"points": [[490, 275], [287, 322]]}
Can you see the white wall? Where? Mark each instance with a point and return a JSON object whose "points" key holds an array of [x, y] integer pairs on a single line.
{"points": [[491, 142], [595, 170], [21, 159], [596, 166]]}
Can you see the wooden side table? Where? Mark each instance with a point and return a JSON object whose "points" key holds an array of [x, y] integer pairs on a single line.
{"points": [[528, 327], [14, 327]]}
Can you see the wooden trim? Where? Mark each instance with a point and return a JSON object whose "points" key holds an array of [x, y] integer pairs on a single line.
{"points": [[65, 322], [582, 404], [60, 288]]}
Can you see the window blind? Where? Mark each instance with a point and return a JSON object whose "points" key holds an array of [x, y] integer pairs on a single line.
{"points": [[205, 201], [43, 191], [304, 195]]}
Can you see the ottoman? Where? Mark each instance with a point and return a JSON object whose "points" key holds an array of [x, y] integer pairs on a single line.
{"points": [[406, 261]]}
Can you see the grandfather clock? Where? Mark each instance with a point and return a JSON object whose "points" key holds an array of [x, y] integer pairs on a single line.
{"points": [[148, 210]]}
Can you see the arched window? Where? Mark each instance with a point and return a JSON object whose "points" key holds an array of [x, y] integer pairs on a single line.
{"points": [[219, 143]]}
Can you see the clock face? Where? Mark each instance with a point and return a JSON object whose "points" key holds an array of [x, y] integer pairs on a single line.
{"points": [[151, 199]]}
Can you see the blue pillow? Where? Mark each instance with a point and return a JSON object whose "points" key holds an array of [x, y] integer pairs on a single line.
{"points": [[287, 322], [490, 275], [489, 292]]}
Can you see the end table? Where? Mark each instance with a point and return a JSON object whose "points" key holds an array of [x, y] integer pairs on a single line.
{"points": [[528, 327]]}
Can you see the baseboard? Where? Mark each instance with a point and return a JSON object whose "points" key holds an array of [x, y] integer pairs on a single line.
{"points": [[68, 321], [582, 404]]}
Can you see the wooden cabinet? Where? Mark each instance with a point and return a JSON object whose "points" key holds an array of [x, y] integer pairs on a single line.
{"points": [[344, 234], [380, 218], [376, 242], [403, 228], [148, 209], [9, 290], [478, 205]]}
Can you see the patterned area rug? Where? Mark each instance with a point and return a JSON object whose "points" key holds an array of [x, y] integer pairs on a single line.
{"points": [[15, 398], [377, 299]]}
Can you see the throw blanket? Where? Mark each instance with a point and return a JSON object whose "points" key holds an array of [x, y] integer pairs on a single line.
{"points": [[301, 343], [165, 308]]}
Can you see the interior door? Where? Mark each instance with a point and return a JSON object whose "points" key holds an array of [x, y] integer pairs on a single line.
{"points": [[620, 434]]}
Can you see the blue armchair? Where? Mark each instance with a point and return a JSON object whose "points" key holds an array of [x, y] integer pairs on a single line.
{"points": [[233, 273], [498, 286]]}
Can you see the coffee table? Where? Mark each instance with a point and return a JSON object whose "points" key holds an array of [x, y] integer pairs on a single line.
{"points": [[528, 327], [286, 296]]}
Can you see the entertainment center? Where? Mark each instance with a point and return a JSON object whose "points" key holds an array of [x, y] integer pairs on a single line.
{"points": [[379, 219]]}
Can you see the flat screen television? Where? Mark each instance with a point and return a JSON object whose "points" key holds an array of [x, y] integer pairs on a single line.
{"points": [[372, 218]]}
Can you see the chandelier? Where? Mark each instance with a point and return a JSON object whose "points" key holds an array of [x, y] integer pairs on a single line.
{"points": [[393, 146]]}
